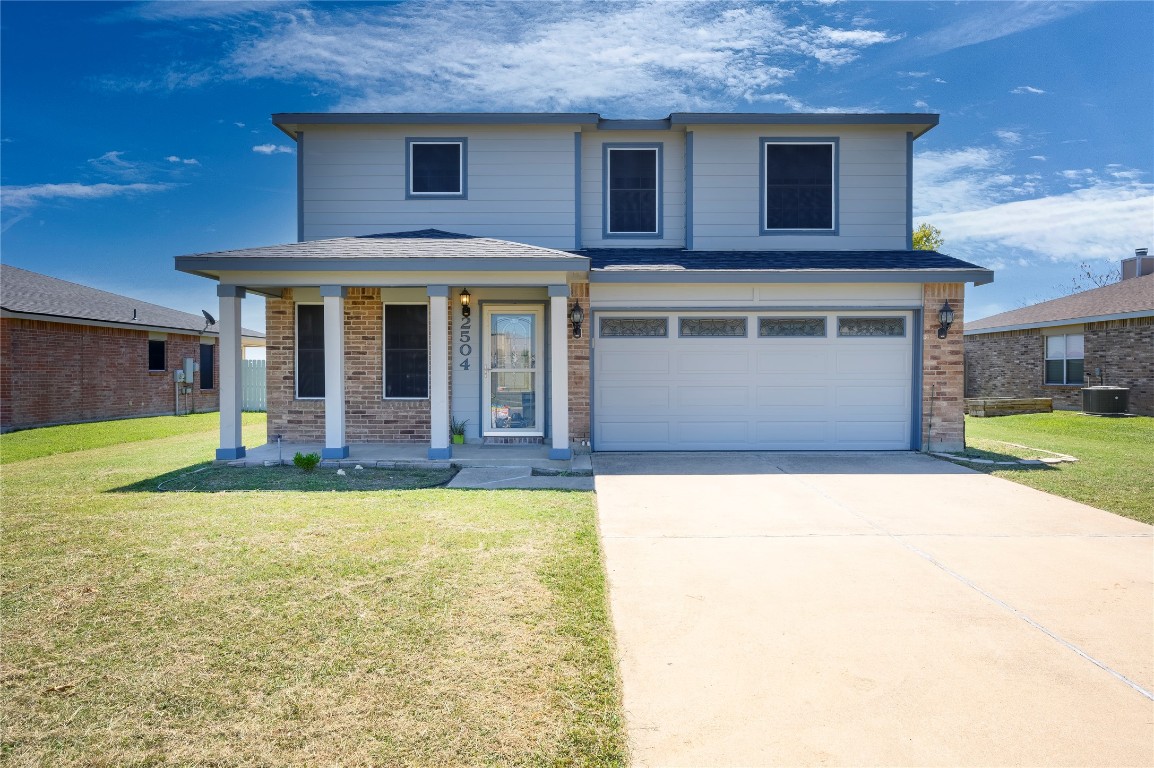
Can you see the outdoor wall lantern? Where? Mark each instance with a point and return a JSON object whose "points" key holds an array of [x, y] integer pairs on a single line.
{"points": [[465, 298], [946, 318], [577, 316]]}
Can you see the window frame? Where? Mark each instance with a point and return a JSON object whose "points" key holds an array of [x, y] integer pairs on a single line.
{"points": [[163, 355], [297, 349], [462, 142], [211, 367], [833, 142], [385, 350], [1065, 359], [658, 149]]}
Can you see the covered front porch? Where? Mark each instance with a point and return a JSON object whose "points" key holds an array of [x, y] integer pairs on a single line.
{"points": [[393, 455], [375, 350]]}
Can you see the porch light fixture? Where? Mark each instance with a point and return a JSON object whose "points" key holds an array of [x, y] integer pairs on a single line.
{"points": [[465, 298], [576, 316], [946, 318]]}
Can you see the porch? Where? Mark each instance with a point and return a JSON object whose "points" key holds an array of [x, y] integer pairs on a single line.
{"points": [[535, 456]]}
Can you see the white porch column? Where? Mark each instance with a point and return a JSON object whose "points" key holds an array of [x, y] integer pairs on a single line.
{"points": [[230, 370], [335, 445], [439, 447], [559, 371]]}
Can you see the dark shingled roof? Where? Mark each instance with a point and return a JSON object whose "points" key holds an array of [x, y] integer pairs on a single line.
{"points": [[424, 243], [1128, 297], [36, 294], [677, 258]]}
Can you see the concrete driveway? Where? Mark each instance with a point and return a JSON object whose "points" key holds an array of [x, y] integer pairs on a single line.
{"points": [[872, 609]]}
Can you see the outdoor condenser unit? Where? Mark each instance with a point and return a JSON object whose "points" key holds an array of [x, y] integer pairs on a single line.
{"points": [[1105, 401]]}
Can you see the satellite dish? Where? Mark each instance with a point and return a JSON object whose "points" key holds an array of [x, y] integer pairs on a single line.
{"points": [[208, 319]]}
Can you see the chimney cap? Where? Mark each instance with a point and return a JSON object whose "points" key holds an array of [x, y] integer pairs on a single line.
{"points": [[1140, 252]]}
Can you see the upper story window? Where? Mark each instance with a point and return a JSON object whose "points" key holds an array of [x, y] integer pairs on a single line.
{"points": [[436, 168], [1064, 359], [310, 350], [799, 186], [633, 190]]}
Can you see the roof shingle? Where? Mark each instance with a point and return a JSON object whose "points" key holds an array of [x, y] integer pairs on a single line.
{"points": [[1127, 297]]}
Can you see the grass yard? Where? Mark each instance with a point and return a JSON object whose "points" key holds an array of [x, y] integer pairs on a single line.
{"points": [[1115, 457], [222, 626]]}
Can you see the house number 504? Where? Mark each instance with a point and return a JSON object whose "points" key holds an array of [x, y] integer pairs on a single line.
{"points": [[466, 342]]}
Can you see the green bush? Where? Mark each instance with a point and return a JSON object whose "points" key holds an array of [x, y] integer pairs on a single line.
{"points": [[307, 461]]}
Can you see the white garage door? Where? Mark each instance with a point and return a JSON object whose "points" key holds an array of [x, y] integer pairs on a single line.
{"points": [[752, 381]]}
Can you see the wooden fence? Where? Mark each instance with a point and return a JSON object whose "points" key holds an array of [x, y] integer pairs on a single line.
{"points": [[253, 392]]}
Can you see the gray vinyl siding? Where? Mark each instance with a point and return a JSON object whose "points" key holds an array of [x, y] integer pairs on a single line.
{"points": [[672, 188], [520, 183], [871, 187]]}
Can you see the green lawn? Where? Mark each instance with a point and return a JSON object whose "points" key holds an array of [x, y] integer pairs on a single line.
{"points": [[1115, 457], [295, 628]]}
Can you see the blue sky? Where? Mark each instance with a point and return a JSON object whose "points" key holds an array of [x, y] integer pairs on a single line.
{"points": [[135, 132]]}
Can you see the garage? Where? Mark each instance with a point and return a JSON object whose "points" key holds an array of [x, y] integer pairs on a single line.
{"points": [[765, 380]]}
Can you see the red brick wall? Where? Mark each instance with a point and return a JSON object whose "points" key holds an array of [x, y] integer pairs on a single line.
{"points": [[943, 370], [579, 381], [1011, 364], [369, 418], [60, 373]]}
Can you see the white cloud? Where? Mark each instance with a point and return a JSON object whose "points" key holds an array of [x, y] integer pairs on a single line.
{"points": [[19, 201], [239, 125], [113, 164], [990, 21], [272, 149], [1038, 157], [989, 214], [182, 160], [1009, 137], [1028, 89], [545, 56]]}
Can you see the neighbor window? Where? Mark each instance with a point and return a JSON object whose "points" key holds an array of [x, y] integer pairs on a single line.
{"points": [[156, 354], [1064, 359], [436, 167], [406, 350], [207, 358], [798, 186], [632, 190], [310, 350]]}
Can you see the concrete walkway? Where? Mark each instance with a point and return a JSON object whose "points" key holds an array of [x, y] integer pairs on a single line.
{"points": [[872, 609]]}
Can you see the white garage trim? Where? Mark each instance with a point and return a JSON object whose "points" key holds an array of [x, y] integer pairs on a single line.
{"points": [[743, 391]]}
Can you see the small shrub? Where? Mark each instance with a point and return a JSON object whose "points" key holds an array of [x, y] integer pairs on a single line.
{"points": [[307, 461]]}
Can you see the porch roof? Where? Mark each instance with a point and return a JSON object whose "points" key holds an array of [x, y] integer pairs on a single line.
{"points": [[426, 250]]}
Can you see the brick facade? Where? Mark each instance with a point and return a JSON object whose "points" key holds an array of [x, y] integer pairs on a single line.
{"points": [[62, 373], [369, 418], [579, 381], [943, 370], [1012, 363]]}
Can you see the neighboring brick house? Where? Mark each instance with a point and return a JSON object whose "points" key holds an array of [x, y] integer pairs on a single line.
{"points": [[698, 282], [70, 353], [1053, 349]]}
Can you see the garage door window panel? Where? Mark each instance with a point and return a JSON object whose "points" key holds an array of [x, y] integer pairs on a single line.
{"points": [[791, 327], [892, 327], [733, 327], [633, 327]]}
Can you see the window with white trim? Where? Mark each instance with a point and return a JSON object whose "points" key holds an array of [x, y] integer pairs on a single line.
{"points": [[310, 338], [633, 190], [406, 351], [798, 186], [1064, 359], [436, 167]]}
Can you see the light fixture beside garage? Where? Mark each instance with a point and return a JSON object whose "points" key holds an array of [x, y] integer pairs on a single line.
{"points": [[465, 299], [946, 318], [576, 316]]}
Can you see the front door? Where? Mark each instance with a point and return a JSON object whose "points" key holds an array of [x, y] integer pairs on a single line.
{"points": [[512, 382]]}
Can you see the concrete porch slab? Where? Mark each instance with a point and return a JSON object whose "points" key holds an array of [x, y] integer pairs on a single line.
{"points": [[411, 454], [517, 478]]}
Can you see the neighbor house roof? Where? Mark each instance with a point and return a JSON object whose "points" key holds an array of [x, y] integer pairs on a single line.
{"points": [[1129, 298], [679, 265], [33, 295], [291, 122], [422, 250]]}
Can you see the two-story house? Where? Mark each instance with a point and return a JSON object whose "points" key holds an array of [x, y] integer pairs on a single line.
{"points": [[699, 282]]}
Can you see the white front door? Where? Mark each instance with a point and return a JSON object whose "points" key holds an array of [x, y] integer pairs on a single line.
{"points": [[512, 382]]}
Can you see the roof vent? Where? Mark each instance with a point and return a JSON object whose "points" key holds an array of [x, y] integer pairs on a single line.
{"points": [[1138, 265]]}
